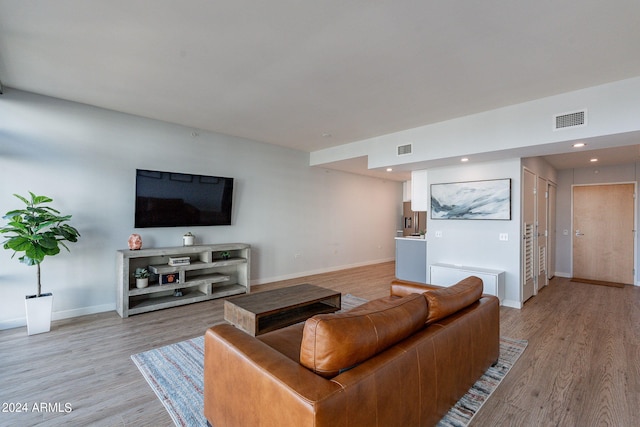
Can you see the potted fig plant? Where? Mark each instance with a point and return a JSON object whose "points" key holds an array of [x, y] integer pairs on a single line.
{"points": [[37, 231]]}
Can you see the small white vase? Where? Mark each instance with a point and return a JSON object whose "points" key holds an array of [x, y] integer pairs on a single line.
{"points": [[142, 283], [188, 239], [38, 313]]}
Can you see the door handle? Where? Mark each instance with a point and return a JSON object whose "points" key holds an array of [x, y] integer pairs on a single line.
{"points": [[578, 233]]}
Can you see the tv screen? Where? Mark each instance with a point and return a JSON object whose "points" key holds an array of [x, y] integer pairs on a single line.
{"points": [[168, 199]]}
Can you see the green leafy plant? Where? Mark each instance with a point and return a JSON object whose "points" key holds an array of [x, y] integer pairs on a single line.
{"points": [[37, 231], [141, 273]]}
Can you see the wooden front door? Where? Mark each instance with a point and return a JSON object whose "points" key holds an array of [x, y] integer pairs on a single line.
{"points": [[603, 232]]}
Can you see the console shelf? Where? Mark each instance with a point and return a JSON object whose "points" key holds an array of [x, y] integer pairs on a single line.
{"points": [[206, 277]]}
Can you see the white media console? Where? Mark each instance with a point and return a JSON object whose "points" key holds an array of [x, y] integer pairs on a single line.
{"points": [[450, 274]]}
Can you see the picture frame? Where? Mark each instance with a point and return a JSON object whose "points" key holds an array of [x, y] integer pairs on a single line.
{"points": [[472, 200], [169, 278]]}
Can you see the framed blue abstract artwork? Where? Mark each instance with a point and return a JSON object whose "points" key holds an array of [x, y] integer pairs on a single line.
{"points": [[489, 199]]}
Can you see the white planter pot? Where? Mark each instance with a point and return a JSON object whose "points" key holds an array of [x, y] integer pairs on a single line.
{"points": [[142, 283], [38, 313]]}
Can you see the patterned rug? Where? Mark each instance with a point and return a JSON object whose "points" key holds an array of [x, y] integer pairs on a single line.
{"points": [[465, 409], [176, 372]]}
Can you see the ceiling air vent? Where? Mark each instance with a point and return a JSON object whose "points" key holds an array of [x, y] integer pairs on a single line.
{"points": [[403, 150], [570, 120]]}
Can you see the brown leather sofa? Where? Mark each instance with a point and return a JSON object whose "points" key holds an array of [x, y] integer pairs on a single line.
{"points": [[403, 360]]}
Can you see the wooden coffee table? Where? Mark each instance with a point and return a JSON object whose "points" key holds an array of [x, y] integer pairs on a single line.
{"points": [[261, 312]]}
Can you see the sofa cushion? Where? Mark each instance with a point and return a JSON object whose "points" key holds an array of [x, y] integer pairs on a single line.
{"points": [[446, 301], [332, 343], [401, 288]]}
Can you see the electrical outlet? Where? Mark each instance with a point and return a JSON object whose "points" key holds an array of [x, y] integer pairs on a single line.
{"points": [[504, 237], [438, 233]]}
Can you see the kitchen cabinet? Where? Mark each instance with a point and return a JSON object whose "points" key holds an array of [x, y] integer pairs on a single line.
{"points": [[411, 259]]}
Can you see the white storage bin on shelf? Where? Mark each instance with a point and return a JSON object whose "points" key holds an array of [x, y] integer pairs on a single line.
{"points": [[213, 271]]}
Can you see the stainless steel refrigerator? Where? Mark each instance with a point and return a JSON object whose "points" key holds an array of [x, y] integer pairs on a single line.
{"points": [[412, 221]]}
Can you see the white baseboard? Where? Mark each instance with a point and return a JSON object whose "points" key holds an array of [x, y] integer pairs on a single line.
{"points": [[318, 271], [83, 311], [13, 323], [512, 304], [59, 315], [569, 276]]}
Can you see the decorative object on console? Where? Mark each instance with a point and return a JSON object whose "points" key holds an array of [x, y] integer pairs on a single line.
{"points": [[38, 230], [135, 242], [225, 255], [490, 199], [175, 261], [169, 278], [188, 239], [142, 278]]}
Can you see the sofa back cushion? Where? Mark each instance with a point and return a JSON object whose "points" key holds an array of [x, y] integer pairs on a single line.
{"points": [[446, 301], [332, 343]]}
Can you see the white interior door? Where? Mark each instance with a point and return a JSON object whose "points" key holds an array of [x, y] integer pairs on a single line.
{"points": [[541, 233], [528, 234], [551, 239]]}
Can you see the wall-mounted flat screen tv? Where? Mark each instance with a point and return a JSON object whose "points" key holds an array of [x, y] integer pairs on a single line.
{"points": [[169, 199]]}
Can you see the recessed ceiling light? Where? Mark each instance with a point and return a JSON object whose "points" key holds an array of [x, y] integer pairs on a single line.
{"points": [[593, 160], [464, 159], [579, 145], [389, 169]]}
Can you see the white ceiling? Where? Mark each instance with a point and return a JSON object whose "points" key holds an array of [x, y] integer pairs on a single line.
{"points": [[314, 74], [582, 158]]}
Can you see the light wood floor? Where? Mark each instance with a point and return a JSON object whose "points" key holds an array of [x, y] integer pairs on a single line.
{"points": [[581, 368]]}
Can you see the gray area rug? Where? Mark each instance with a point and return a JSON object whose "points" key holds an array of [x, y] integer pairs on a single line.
{"points": [[176, 374]]}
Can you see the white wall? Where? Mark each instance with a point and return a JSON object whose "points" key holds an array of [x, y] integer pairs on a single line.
{"points": [[476, 243], [85, 159], [592, 175]]}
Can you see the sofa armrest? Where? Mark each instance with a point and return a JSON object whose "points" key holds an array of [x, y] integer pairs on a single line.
{"points": [[247, 383], [401, 288]]}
